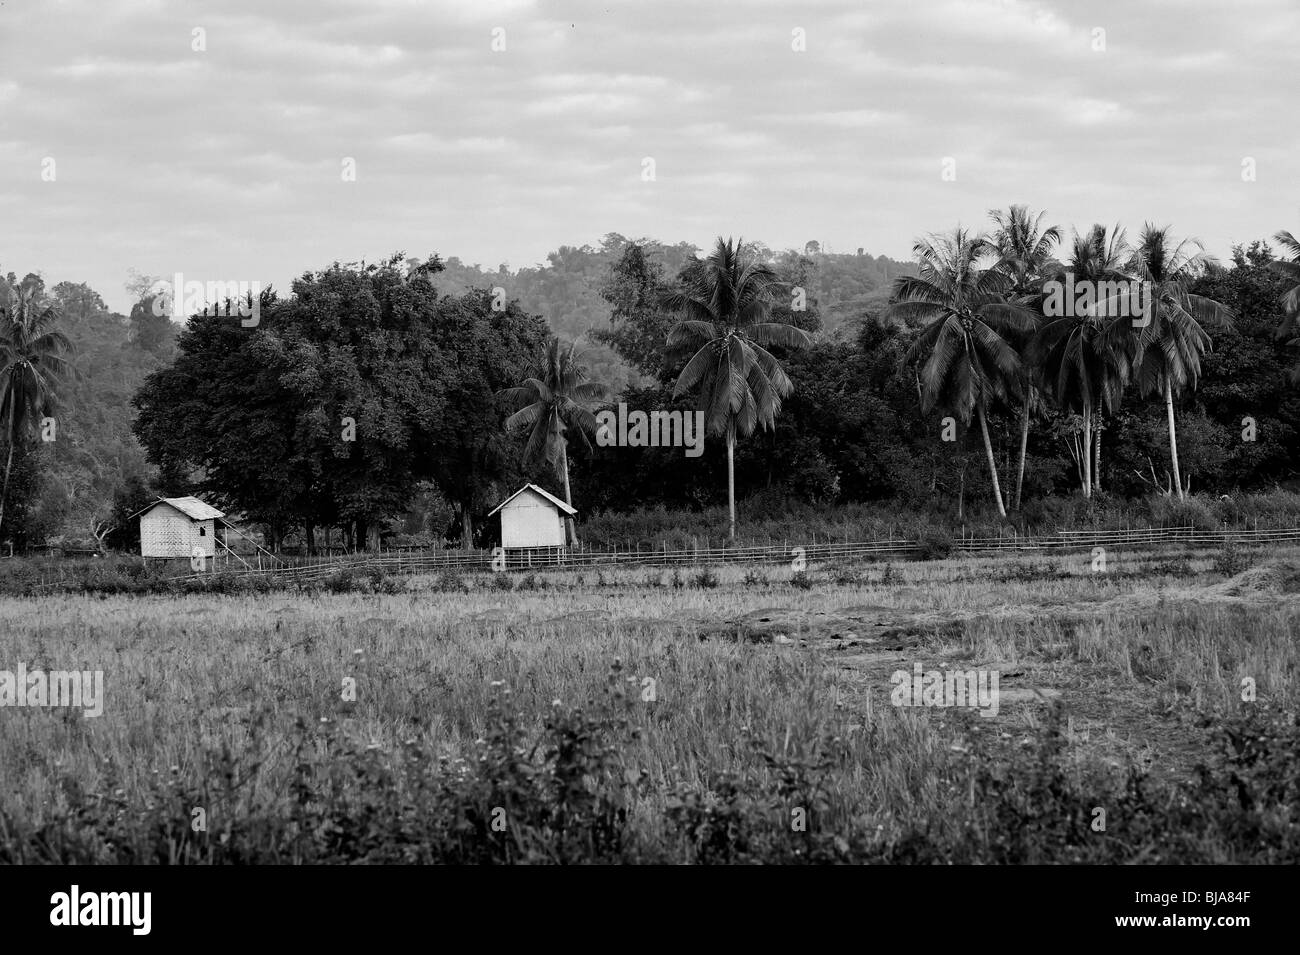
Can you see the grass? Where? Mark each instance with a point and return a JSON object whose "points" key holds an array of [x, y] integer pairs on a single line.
{"points": [[478, 704]]}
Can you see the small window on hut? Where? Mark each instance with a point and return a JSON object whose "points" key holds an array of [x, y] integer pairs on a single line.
{"points": [[203, 531]]}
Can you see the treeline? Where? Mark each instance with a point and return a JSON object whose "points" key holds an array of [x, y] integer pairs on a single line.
{"points": [[880, 417], [371, 402]]}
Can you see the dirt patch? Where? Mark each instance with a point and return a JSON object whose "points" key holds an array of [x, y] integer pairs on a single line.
{"points": [[578, 616], [884, 628]]}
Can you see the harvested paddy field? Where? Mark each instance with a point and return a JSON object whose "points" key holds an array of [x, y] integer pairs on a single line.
{"points": [[290, 719]]}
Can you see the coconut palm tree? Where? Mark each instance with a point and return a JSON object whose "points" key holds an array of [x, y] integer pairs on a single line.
{"points": [[1290, 270], [1084, 355], [1169, 349], [553, 408], [724, 305], [1024, 250], [32, 367], [969, 362]]}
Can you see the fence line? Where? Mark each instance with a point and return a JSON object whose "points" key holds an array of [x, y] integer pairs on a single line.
{"points": [[419, 562]]}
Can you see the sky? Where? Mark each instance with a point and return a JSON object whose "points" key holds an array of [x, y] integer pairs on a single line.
{"points": [[253, 140]]}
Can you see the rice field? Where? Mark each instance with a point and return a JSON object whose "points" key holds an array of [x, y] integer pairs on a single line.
{"points": [[246, 707]]}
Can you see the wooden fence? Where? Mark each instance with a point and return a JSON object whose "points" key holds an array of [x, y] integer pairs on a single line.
{"points": [[484, 561]]}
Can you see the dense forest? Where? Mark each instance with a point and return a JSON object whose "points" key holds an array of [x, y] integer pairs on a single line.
{"points": [[370, 404]]}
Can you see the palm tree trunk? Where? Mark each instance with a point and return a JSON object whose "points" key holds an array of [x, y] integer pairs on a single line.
{"points": [[1024, 445], [731, 477], [1087, 451], [568, 497], [9, 463], [993, 467], [1173, 439], [1096, 458]]}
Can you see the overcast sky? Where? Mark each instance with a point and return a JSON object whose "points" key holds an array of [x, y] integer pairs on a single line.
{"points": [[227, 163]]}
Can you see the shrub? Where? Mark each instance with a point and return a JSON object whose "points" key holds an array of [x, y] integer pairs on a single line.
{"points": [[1231, 560], [934, 544], [844, 576], [450, 581], [383, 583], [801, 580], [1195, 511], [706, 579]]}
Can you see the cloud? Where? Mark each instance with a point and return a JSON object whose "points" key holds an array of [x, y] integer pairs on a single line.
{"points": [[229, 159]]}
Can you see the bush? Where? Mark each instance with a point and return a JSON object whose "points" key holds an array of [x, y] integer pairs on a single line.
{"points": [[450, 581], [1231, 560], [844, 576], [801, 580], [934, 544], [1196, 511], [706, 579], [382, 583]]}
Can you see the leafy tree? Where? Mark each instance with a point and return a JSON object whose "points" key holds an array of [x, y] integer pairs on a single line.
{"points": [[122, 529], [726, 304], [635, 288], [1244, 384], [151, 331], [342, 400], [473, 460]]}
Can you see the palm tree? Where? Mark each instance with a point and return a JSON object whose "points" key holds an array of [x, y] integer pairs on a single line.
{"points": [[1168, 358], [31, 367], [1290, 327], [1084, 358], [1024, 250], [553, 407], [969, 363], [740, 384]]}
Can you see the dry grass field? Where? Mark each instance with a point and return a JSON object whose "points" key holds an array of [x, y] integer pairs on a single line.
{"points": [[703, 715]]}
